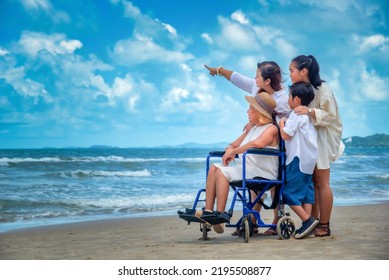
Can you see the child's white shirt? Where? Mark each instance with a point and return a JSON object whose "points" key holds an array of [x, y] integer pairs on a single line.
{"points": [[303, 142]]}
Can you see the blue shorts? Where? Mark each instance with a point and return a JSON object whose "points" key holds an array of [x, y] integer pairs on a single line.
{"points": [[298, 189]]}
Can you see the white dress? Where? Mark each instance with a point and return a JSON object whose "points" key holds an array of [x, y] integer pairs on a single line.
{"points": [[256, 165], [328, 125]]}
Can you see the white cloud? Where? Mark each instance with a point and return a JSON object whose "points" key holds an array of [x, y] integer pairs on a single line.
{"points": [[239, 17], [205, 102], [122, 87], [77, 72], [146, 26], [25, 86], [266, 34], [374, 87], [168, 27], [45, 6], [130, 10], [185, 67], [173, 98], [285, 48], [207, 38], [341, 6], [195, 94], [3, 52], [142, 49], [234, 36], [371, 42], [132, 101], [123, 90], [198, 98], [71, 45], [33, 42], [151, 40]]}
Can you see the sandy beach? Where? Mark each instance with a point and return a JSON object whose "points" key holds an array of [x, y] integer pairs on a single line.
{"points": [[358, 233]]}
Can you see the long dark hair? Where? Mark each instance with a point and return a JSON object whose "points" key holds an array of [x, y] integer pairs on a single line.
{"points": [[271, 70], [310, 63]]}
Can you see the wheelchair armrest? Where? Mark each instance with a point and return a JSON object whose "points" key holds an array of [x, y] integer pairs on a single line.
{"points": [[263, 151], [218, 154]]}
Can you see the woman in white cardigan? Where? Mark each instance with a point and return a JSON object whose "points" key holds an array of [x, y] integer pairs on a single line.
{"points": [[325, 116]]}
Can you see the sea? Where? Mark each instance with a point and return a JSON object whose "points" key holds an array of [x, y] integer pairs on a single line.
{"points": [[41, 187]]}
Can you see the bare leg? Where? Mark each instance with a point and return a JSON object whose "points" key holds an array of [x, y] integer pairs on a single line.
{"points": [[321, 178], [315, 206], [275, 210], [222, 187], [210, 192], [307, 208], [299, 210], [256, 207]]}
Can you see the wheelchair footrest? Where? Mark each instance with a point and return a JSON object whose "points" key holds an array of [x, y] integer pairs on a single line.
{"points": [[215, 218], [189, 215]]}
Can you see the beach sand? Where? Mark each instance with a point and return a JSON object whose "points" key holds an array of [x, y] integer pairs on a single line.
{"points": [[358, 233]]}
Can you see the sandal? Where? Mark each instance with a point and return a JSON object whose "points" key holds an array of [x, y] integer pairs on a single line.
{"points": [[321, 230], [270, 231]]}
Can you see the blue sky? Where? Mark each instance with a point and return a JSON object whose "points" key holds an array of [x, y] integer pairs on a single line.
{"points": [[130, 73]]}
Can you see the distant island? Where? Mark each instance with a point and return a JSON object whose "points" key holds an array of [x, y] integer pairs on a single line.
{"points": [[376, 140]]}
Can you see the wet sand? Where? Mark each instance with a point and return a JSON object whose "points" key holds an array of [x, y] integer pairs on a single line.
{"points": [[358, 233]]}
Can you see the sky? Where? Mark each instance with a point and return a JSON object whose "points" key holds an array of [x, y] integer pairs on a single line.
{"points": [[131, 73]]}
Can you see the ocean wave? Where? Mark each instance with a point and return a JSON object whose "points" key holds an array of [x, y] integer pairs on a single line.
{"points": [[382, 176], [101, 173], [52, 214], [139, 202], [5, 160]]}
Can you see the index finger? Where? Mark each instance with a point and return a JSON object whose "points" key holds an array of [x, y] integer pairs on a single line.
{"points": [[207, 67]]}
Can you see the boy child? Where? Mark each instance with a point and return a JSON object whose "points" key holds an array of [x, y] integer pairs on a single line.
{"points": [[301, 154]]}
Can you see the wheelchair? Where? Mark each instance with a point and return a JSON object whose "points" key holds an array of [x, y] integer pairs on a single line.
{"points": [[245, 226]]}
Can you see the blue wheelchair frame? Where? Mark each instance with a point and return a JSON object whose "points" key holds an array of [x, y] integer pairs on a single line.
{"points": [[244, 226]]}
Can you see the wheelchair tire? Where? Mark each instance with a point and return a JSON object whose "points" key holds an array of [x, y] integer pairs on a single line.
{"points": [[285, 227], [246, 230]]}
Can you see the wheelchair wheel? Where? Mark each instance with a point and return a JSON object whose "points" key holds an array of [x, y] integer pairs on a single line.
{"points": [[246, 229], [285, 227]]}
